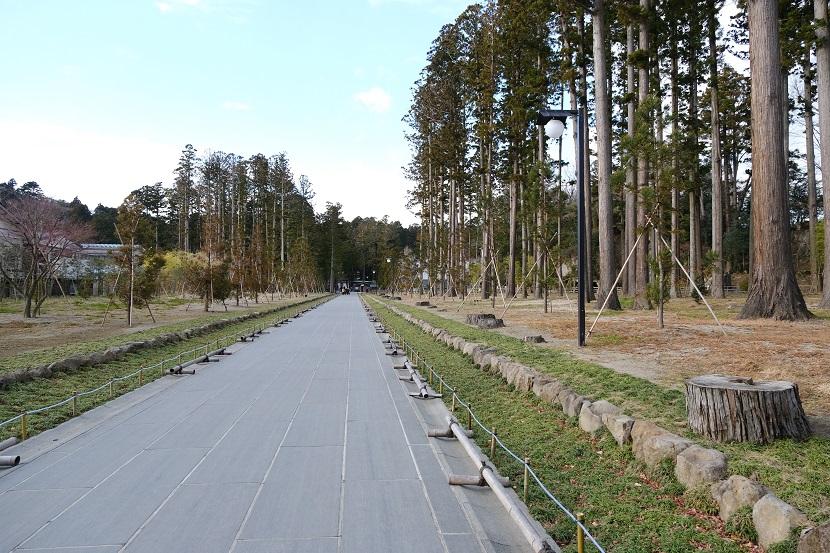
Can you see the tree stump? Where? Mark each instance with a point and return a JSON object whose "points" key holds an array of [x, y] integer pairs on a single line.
{"points": [[484, 320], [736, 409]]}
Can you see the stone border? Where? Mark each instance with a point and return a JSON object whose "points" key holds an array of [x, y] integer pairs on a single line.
{"points": [[114, 353], [694, 465]]}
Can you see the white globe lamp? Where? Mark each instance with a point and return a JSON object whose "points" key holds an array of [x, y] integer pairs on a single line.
{"points": [[554, 128]]}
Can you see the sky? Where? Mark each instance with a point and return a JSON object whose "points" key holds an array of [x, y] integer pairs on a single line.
{"points": [[100, 97]]}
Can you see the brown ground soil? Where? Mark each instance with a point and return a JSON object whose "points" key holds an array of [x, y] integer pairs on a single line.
{"points": [[690, 344], [71, 321]]}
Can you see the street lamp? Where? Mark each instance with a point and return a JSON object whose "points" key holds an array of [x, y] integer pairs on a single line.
{"points": [[553, 120], [392, 271]]}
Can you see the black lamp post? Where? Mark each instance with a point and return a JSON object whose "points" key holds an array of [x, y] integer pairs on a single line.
{"points": [[554, 122]]}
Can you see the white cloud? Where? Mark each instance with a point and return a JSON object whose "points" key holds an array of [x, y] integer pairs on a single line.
{"points": [[238, 12], [238, 106], [96, 168], [376, 99], [365, 188], [178, 5]]}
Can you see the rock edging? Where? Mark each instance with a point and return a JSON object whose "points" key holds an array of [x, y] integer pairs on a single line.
{"points": [[694, 465]]}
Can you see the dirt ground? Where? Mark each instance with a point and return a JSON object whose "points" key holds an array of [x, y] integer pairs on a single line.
{"points": [[690, 344], [67, 321]]}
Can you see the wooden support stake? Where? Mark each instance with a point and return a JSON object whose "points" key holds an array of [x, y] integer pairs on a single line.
{"points": [[74, 404], [493, 445], [527, 477], [23, 434], [580, 534]]}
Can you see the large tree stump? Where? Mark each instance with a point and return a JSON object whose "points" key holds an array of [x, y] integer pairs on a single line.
{"points": [[735, 409], [484, 320]]}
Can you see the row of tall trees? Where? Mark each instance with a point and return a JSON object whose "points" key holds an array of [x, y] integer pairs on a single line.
{"points": [[253, 220], [684, 160], [227, 227]]}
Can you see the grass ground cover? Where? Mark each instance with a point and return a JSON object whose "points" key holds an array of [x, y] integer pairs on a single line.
{"points": [[56, 351], [627, 508], [796, 472], [37, 393]]}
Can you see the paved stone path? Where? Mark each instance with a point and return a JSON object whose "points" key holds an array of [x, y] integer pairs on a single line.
{"points": [[303, 441]]}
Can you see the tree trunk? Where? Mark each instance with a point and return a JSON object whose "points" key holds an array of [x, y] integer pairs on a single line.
{"points": [[607, 269], [823, 77], [525, 249], [630, 175], [586, 168], [815, 282], [641, 300], [674, 277], [694, 234], [695, 246], [735, 409], [774, 292], [511, 262], [483, 200], [539, 237], [717, 171]]}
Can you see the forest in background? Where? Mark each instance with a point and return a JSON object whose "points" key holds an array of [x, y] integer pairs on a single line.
{"points": [[229, 227]]}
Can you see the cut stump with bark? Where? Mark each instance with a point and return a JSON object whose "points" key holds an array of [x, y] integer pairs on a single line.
{"points": [[736, 409]]}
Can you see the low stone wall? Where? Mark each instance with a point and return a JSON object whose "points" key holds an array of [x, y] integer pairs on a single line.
{"points": [[118, 352], [651, 444]]}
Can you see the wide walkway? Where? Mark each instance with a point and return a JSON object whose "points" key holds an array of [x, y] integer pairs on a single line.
{"points": [[304, 440]]}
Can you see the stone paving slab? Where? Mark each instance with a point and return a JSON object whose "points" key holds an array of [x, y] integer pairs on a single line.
{"points": [[304, 440], [199, 517], [300, 497], [31, 509], [380, 513], [116, 508]]}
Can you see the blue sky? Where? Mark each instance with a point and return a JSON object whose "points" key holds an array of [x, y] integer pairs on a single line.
{"points": [[99, 97]]}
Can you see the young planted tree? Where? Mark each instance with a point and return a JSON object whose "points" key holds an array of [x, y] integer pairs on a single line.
{"points": [[129, 220], [38, 236], [302, 273], [206, 280]]}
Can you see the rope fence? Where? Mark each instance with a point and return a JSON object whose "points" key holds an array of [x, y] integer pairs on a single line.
{"points": [[457, 402]]}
